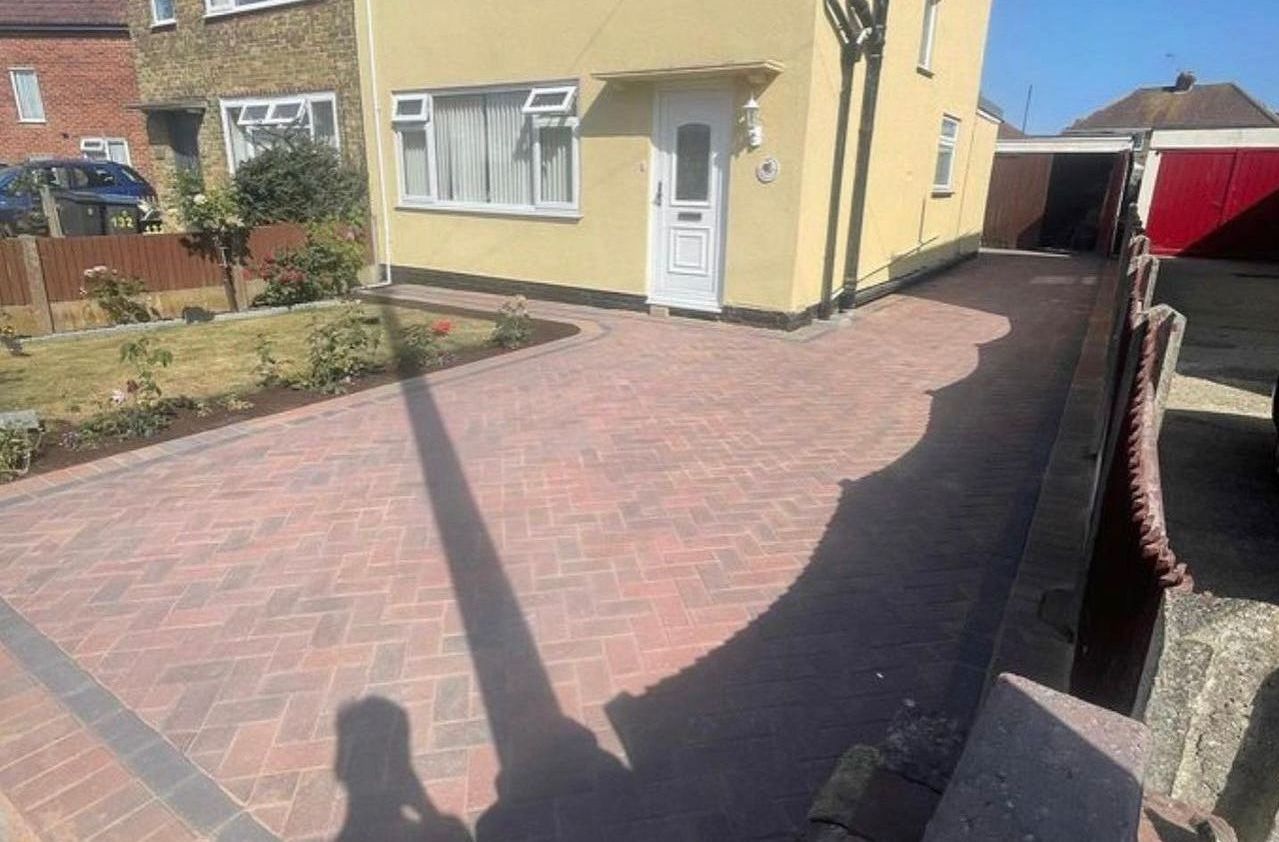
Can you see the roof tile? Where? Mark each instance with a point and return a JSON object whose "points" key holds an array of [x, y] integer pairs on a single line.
{"points": [[1212, 106], [62, 12]]}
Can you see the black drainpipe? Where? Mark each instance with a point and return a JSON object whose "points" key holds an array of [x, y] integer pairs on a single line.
{"points": [[849, 53], [870, 102]]}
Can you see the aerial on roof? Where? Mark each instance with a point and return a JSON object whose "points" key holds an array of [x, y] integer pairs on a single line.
{"points": [[1182, 105], [57, 14]]}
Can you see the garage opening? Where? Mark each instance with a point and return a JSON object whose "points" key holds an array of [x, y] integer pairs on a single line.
{"points": [[1075, 206], [1057, 194]]}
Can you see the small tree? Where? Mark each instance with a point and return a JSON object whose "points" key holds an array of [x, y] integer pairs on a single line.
{"points": [[299, 180], [212, 215]]}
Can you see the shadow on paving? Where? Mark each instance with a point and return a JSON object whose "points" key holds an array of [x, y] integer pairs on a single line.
{"points": [[902, 598], [1222, 500]]}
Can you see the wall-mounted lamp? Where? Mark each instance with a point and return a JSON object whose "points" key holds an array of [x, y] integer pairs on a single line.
{"points": [[754, 128]]}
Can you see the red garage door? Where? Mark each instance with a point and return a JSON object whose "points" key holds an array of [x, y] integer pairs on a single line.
{"points": [[1217, 203]]}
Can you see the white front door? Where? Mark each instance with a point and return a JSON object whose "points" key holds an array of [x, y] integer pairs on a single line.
{"points": [[693, 143]]}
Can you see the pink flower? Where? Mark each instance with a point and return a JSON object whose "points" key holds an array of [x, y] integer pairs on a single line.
{"points": [[442, 328]]}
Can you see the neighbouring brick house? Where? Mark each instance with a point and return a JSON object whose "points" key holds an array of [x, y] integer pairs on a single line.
{"points": [[219, 79], [69, 81]]}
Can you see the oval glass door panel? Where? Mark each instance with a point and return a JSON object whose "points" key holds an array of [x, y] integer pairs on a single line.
{"points": [[693, 163]]}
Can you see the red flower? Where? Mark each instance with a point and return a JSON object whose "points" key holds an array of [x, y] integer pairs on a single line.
{"points": [[442, 328]]}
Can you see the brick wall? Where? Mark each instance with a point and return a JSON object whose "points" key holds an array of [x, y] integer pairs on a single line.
{"points": [[86, 83], [308, 46]]}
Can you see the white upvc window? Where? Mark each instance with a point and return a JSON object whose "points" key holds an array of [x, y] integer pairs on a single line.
{"points": [[494, 150], [213, 8], [558, 101], [162, 12], [929, 39], [106, 149], [251, 125], [26, 94], [944, 177]]}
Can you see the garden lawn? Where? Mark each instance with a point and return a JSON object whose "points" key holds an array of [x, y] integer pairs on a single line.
{"points": [[70, 379]]}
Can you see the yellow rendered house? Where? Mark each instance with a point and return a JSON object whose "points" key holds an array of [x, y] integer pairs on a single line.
{"points": [[720, 157]]}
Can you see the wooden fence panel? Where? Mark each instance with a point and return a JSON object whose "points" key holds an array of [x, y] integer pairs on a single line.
{"points": [[165, 262], [13, 276], [267, 240]]}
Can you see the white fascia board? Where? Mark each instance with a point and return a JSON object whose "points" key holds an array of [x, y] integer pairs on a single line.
{"points": [[1215, 139], [1065, 144]]}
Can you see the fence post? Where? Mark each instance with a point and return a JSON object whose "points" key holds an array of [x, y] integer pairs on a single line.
{"points": [[35, 282], [239, 287], [50, 207]]}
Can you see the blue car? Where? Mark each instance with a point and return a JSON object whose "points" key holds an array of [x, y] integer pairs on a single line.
{"points": [[107, 178]]}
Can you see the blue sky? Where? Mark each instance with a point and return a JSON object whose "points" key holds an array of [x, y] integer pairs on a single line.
{"points": [[1083, 54]]}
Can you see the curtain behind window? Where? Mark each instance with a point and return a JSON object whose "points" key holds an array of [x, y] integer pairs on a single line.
{"points": [[417, 172], [557, 164], [510, 158], [460, 149]]}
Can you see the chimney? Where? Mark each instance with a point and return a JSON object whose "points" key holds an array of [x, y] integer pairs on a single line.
{"points": [[1185, 81]]}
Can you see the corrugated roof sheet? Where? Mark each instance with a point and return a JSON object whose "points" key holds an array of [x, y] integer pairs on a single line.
{"points": [[1213, 106], [71, 13]]}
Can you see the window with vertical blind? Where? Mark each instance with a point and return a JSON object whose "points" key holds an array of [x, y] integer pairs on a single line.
{"points": [[511, 149]]}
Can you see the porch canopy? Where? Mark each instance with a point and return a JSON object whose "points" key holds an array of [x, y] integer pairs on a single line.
{"points": [[760, 72]]}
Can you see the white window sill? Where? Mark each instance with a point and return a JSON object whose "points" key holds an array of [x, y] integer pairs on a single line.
{"points": [[240, 10], [491, 210], [30, 122], [922, 70], [943, 192], [164, 24]]}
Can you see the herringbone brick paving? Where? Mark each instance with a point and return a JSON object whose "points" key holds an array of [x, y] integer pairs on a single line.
{"points": [[647, 586]]}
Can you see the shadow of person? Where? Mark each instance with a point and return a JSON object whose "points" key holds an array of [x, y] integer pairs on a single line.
{"points": [[385, 800]]}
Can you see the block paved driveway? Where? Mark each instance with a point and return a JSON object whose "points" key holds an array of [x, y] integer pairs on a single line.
{"points": [[647, 584]]}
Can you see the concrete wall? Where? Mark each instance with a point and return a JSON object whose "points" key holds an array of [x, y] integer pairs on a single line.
{"points": [[295, 48], [909, 227], [86, 82]]}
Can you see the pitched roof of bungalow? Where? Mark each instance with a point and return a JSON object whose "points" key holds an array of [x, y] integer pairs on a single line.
{"points": [[1183, 105]]}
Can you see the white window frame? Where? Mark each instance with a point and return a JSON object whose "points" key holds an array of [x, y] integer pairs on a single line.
{"points": [[951, 144], [225, 105], [221, 8], [538, 118], [102, 144], [156, 20], [423, 121], [17, 97], [563, 108], [928, 42]]}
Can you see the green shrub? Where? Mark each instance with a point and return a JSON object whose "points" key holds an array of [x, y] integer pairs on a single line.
{"points": [[145, 354], [267, 369], [139, 410], [327, 265], [514, 326], [127, 421], [17, 449], [299, 180], [419, 345], [118, 295], [339, 350], [210, 210]]}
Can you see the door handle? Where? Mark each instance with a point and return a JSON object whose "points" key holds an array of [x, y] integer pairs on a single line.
{"points": [[658, 200]]}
